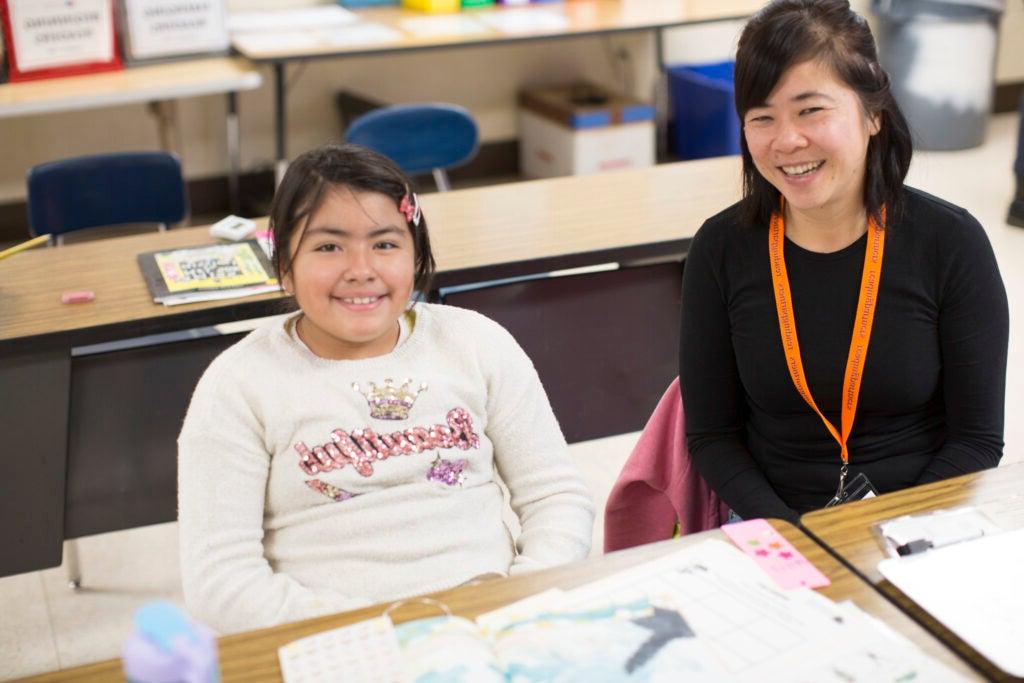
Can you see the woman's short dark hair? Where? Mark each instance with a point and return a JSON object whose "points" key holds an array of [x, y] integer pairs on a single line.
{"points": [[788, 32], [312, 175]]}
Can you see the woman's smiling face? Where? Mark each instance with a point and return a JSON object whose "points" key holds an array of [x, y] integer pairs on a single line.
{"points": [[810, 140]]}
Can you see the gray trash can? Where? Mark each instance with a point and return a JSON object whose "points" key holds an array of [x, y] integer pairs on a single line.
{"points": [[941, 55]]}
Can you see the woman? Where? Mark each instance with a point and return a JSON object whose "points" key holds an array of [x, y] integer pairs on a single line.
{"points": [[882, 303]]}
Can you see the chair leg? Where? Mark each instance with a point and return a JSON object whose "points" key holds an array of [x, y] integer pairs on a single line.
{"points": [[71, 561], [441, 180]]}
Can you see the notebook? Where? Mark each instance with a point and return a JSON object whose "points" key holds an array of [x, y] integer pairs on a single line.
{"points": [[208, 272]]}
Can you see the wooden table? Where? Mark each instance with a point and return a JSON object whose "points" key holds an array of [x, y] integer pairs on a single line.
{"points": [[847, 531], [252, 657], [582, 18], [157, 83], [89, 437]]}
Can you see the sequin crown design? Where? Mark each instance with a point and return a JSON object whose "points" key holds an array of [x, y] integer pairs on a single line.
{"points": [[389, 402]]}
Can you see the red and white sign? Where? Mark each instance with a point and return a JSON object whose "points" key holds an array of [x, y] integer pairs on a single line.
{"points": [[47, 38]]}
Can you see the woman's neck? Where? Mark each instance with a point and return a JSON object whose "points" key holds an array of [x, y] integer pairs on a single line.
{"points": [[825, 231]]}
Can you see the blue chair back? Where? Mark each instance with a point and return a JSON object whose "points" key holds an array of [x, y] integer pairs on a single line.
{"points": [[418, 137], [105, 189]]}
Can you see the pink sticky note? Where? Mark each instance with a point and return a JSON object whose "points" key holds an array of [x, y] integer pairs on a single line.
{"points": [[775, 555]]}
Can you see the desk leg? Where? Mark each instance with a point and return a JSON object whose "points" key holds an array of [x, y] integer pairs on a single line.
{"points": [[33, 464], [279, 110], [234, 153], [661, 98]]}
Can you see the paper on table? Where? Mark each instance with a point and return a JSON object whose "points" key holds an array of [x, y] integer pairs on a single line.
{"points": [[519, 21], [973, 588], [757, 632], [365, 652], [290, 19], [443, 25], [363, 33], [939, 528], [774, 554]]}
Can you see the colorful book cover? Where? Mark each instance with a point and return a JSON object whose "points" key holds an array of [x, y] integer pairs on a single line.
{"points": [[213, 269]]}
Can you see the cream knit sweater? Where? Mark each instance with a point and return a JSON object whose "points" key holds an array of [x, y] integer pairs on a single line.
{"points": [[308, 486]]}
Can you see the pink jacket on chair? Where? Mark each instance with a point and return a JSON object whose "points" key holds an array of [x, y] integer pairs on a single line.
{"points": [[659, 485]]}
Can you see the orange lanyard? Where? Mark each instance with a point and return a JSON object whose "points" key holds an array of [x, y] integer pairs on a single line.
{"points": [[866, 301]]}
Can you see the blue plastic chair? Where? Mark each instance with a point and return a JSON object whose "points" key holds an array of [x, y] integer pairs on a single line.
{"points": [[105, 189], [419, 137]]}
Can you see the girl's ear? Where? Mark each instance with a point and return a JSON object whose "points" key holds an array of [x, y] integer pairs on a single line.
{"points": [[287, 283]]}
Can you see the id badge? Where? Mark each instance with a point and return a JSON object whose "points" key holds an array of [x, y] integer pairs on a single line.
{"points": [[859, 488]]}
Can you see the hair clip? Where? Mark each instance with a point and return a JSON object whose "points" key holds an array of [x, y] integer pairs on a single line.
{"points": [[410, 206]]}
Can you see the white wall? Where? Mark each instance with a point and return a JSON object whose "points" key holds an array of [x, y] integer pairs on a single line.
{"points": [[485, 80]]}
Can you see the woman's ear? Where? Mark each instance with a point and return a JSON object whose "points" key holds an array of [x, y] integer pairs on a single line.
{"points": [[874, 123]]}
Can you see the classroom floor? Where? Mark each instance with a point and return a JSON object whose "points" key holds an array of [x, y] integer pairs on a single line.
{"points": [[46, 626]]}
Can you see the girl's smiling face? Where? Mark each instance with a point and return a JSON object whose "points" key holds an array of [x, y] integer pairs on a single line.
{"points": [[810, 140], [352, 269]]}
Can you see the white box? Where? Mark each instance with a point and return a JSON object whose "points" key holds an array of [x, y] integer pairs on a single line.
{"points": [[581, 128], [550, 149]]}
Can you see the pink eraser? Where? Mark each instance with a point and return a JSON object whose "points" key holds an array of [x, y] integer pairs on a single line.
{"points": [[77, 297]]}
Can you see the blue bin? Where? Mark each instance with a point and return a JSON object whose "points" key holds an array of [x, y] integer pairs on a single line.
{"points": [[704, 121]]}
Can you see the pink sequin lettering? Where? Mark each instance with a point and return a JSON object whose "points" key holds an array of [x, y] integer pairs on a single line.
{"points": [[363, 446]]}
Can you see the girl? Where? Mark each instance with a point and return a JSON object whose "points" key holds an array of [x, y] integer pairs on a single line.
{"points": [[346, 454], [835, 323]]}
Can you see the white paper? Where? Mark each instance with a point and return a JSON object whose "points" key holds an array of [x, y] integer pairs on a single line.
{"points": [[363, 33], [974, 589], [365, 652], [55, 33], [752, 630], [940, 528], [321, 16], [443, 25], [523, 21], [158, 28]]}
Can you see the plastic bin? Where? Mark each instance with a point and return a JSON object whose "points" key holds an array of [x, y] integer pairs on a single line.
{"points": [[703, 114], [941, 56]]}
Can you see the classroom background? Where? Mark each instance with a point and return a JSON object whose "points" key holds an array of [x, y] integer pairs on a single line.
{"points": [[46, 626]]}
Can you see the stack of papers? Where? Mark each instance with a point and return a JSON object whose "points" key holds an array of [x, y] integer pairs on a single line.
{"points": [[706, 613], [973, 588]]}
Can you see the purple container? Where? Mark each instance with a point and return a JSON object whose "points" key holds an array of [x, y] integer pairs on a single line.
{"points": [[167, 647]]}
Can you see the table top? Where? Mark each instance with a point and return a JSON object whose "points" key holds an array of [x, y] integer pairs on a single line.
{"points": [[146, 83], [252, 656], [410, 30], [490, 231], [846, 529]]}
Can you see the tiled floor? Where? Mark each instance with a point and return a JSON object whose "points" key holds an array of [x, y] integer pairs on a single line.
{"points": [[44, 626]]}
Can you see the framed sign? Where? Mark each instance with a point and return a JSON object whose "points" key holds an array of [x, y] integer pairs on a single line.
{"points": [[47, 38], [154, 29]]}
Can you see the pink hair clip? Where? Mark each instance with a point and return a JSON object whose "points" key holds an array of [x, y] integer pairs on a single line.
{"points": [[410, 206]]}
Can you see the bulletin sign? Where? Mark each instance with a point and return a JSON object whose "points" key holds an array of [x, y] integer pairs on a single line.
{"points": [[48, 38], [166, 28]]}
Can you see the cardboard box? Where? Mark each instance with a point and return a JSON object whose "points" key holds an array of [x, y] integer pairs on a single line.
{"points": [[582, 128]]}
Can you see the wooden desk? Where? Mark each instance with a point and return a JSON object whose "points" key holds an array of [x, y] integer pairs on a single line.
{"points": [[582, 18], [846, 530], [77, 460], [252, 657], [150, 83]]}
